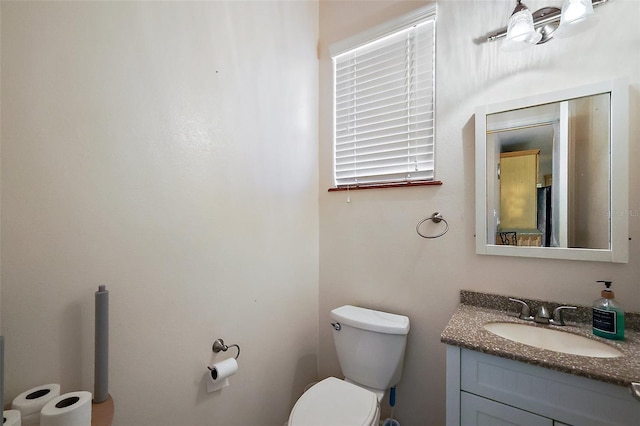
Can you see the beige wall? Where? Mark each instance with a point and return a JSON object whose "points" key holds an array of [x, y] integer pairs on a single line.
{"points": [[370, 254], [169, 151], [122, 128]]}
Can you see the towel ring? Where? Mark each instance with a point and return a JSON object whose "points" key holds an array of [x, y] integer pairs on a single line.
{"points": [[436, 218]]}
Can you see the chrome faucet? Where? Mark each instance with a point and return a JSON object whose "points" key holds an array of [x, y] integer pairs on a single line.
{"points": [[542, 315]]}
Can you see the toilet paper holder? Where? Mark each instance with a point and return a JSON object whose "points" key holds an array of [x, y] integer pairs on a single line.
{"points": [[219, 345]]}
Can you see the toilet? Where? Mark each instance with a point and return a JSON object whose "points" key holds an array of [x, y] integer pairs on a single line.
{"points": [[370, 346]]}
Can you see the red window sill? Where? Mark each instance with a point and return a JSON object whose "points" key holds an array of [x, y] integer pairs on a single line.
{"points": [[387, 185]]}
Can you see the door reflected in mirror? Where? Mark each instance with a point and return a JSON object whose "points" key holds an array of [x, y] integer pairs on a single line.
{"points": [[551, 183]]}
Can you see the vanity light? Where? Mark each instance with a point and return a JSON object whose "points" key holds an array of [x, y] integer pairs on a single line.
{"points": [[577, 16], [520, 31], [526, 29]]}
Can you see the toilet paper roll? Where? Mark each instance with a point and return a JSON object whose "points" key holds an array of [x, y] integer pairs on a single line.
{"points": [[11, 418], [31, 420], [69, 409], [219, 374], [31, 401]]}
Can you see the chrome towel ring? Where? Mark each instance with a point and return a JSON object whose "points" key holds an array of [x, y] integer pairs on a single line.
{"points": [[436, 218]]}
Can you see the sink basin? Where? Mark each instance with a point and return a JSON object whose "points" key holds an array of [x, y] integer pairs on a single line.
{"points": [[554, 340]]}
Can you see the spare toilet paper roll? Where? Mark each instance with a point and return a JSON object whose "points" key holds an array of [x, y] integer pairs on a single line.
{"points": [[219, 374], [11, 418], [69, 409], [31, 420], [31, 402]]}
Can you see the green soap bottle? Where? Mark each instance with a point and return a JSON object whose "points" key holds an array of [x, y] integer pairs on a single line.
{"points": [[608, 316]]}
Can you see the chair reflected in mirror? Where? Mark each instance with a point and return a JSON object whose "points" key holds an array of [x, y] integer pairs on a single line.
{"points": [[508, 238]]}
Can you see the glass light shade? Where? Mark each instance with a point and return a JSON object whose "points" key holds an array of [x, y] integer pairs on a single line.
{"points": [[520, 31], [577, 16]]}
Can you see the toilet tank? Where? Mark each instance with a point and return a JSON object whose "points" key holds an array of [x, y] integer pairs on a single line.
{"points": [[370, 345]]}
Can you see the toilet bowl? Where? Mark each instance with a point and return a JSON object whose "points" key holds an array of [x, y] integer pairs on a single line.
{"points": [[370, 346], [336, 402]]}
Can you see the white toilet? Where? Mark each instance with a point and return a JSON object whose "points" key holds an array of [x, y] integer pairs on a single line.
{"points": [[370, 346]]}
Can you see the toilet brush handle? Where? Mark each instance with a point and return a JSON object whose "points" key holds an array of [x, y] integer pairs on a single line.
{"points": [[392, 396]]}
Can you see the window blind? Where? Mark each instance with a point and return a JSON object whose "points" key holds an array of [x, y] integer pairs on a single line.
{"points": [[384, 109]]}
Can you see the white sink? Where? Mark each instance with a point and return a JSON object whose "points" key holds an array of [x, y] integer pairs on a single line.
{"points": [[554, 340]]}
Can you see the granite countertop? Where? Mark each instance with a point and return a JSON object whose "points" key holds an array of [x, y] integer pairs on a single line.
{"points": [[465, 329]]}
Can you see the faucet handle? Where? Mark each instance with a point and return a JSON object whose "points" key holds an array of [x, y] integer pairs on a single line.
{"points": [[557, 315], [525, 313]]}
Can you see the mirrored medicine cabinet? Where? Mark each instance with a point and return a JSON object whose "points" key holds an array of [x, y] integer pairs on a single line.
{"points": [[552, 175]]}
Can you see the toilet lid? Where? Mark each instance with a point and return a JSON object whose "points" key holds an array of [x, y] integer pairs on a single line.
{"points": [[337, 403]]}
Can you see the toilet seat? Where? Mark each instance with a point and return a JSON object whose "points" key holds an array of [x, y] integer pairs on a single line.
{"points": [[337, 403]]}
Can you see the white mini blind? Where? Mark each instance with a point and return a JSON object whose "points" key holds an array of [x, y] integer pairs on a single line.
{"points": [[384, 109]]}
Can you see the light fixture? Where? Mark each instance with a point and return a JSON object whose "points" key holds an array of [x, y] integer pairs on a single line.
{"points": [[520, 31], [577, 16], [526, 29]]}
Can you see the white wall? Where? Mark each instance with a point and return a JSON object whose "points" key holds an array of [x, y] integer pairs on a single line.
{"points": [[119, 148], [169, 151], [370, 254], [0, 175]]}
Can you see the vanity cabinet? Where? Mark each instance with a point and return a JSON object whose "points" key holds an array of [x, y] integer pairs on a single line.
{"points": [[489, 390], [475, 410]]}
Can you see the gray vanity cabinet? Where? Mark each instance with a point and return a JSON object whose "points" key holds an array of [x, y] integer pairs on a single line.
{"points": [[475, 410], [489, 390]]}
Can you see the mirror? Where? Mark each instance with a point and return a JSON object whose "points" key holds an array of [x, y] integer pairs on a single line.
{"points": [[552, 175]]}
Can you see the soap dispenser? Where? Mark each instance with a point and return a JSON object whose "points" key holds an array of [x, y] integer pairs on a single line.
{"points": [[608, 316]]}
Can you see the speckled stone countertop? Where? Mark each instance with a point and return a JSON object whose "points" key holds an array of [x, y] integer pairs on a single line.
{"points": [[465, 329]]}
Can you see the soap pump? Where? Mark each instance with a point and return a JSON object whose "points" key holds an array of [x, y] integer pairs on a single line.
{"points": [[608, 316]]}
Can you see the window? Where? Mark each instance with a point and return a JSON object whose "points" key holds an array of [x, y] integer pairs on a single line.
{"points": [[384, 105]]}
